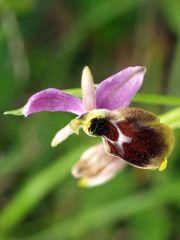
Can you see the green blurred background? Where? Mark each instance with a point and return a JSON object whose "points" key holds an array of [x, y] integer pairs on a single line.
{"points": [[46, 43]]}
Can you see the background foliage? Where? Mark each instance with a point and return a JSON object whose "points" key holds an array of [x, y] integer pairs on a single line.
{"points": [[46, 43]]}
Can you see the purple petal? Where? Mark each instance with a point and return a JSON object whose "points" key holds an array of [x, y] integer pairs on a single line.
{"points": [[119, 89], [53, 100]]}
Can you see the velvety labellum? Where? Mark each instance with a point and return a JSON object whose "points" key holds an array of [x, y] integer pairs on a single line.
{"points": [[136, 136]]}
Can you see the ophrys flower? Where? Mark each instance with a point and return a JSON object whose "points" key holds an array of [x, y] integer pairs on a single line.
{"points": [[129, 135]]}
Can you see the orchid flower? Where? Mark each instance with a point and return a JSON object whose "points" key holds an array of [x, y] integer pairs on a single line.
{"points": [[130, 135]]}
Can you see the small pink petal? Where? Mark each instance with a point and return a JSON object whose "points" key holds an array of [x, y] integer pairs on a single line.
{"points": [[53, 100], [88, 91], [62, 135], [96, 167], [119, 89]]}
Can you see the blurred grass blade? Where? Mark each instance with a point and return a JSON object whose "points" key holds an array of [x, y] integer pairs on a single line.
{"points": [[172, 118], [35, 189], [115, 211], [15, 44], [141, 98], [127, 207], [157, 99]]}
